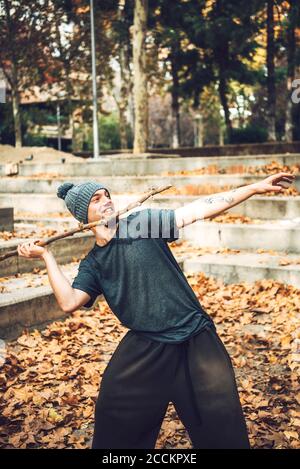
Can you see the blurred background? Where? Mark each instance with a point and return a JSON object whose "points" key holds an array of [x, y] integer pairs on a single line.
{"points": [[207, 72]]}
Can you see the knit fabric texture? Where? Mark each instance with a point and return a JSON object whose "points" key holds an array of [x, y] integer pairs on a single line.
{"points": [[77, 197]]}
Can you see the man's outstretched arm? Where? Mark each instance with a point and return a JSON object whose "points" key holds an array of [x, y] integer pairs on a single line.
{"points": [[216, 204]]}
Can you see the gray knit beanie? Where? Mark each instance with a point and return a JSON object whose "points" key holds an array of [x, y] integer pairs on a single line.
{"points": [[77, 197]]}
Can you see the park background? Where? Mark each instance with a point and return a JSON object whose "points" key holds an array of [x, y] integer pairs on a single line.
{"points": [[208, 72]]}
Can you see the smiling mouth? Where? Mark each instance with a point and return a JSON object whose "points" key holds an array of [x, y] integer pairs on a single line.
{"points": [[108, 209]]}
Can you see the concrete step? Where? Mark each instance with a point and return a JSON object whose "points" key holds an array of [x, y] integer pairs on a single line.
{"points": [[64, 250], [283, 235], [246, 267], [119, 184], [262, 207], [279, 235], [33, 203], [119, 166], [29, 307], [49, 203]]}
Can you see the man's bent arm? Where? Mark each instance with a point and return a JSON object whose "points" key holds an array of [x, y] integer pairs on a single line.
{"points": [[67, 297]]}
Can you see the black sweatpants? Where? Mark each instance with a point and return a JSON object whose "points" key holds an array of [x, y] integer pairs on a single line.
{"points": [[143, 376]]}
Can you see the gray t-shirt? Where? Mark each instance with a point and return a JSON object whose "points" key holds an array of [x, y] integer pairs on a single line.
{"points": [[141, 280]]}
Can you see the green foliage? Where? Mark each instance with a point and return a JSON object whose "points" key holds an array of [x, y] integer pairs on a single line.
{"points": [[109, 134], [35, 140], [249, 134], [44, 114]]}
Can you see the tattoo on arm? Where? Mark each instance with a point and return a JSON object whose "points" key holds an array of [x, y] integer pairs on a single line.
{"points": [[219, 198]]}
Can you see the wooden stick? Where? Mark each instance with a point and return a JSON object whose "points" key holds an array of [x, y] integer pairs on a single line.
{"points": [[88, 226]]}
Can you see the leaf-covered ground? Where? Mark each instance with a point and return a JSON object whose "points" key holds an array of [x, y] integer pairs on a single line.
{"points": [[208, 189], [50, 379], [266, 169]]}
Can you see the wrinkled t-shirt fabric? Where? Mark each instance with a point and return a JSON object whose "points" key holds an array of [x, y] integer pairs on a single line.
{"points": [[141, 280]]}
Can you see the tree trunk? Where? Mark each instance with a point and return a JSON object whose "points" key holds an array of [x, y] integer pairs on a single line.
{"points": [[140, 77], [16, 116], [271, 113], [127, 66], [125, 78], [123, 125], [221, 56], [291, 48], [13, 80], [199, 130], [224, 102], [221, 136], [123, 100], [67, 81], [175, 98], [123, 104]]}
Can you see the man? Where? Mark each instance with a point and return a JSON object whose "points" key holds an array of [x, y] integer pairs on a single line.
{"points": [[172, 352]]}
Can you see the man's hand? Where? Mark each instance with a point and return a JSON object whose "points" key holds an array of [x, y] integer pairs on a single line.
{"points": [[273, 183], [31, 250]]}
